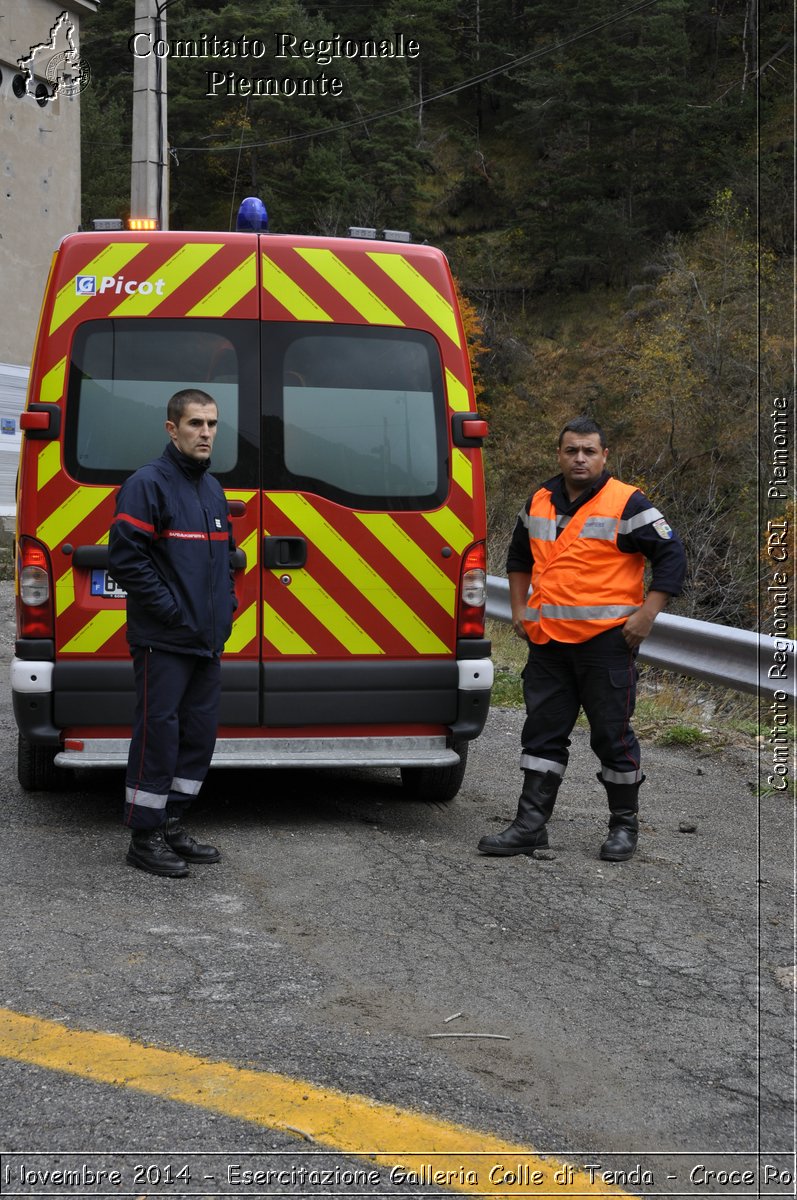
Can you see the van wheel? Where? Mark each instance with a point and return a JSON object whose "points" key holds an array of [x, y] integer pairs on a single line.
{"points": [[436, 783], [36, 769]]}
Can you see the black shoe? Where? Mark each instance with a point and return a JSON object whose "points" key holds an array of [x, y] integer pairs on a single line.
{"points": [[183, 844], [623, 820], [527, 832], [149, 852], [621, 842]]}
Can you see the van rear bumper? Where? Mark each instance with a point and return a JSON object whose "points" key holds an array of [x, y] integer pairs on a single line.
{"points": [[416, 751], [50, 697]]}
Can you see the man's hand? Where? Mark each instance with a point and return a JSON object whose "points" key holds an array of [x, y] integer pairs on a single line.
{"points": [[637, 628], [519, 628], [519, 582], [640, 623]]}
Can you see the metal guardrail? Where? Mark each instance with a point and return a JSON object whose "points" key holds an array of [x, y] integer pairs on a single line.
{"points": [[732, 658]]}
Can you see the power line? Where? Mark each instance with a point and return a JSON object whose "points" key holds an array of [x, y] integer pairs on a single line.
{"points": [[513, 65]]}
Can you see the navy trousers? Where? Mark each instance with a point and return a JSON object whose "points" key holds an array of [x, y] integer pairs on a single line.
{"points": [[598, 675], [174, 733]]}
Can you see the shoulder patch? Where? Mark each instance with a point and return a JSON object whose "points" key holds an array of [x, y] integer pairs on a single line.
{"points": [[663, 529]]}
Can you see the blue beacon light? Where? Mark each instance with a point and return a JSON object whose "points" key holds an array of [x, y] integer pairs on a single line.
{"points": [[252, 216]]}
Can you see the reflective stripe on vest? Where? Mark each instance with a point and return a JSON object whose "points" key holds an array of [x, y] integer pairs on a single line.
{"points": [[582, 564]]}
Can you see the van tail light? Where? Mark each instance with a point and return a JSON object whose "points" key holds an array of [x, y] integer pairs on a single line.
{"points": [[473, 592], [34, 590]]}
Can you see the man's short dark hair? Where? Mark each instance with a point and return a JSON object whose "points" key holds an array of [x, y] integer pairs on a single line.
{"points": [[583, 425], [180, 400]]}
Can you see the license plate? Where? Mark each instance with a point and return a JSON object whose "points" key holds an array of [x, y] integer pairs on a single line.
{"points": [[103, 585]]}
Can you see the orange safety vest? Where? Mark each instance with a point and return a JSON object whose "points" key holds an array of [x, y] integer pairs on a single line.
{"points": [[581, 584]]}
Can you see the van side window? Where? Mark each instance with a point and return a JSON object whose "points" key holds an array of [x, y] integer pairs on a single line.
{"points": [[122, 373], [360, 415]]}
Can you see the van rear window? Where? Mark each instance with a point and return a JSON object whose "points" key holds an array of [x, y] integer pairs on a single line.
{"points": [[122, 374], [358, 415]]}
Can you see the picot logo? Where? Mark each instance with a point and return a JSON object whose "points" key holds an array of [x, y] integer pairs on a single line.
{"points": [[86, 285]]}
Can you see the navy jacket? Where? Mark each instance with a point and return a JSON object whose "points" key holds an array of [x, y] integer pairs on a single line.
{"points": [[648, 534], [169, 549]]}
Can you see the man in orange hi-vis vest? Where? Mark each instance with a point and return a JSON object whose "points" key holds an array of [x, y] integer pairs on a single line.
{"points": [[579, 548]]}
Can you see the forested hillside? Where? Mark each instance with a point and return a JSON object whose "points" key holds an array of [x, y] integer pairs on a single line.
{"points": [[611, 183]]}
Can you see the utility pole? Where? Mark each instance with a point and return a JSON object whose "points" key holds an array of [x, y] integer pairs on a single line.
{"points": [[149, 179]]}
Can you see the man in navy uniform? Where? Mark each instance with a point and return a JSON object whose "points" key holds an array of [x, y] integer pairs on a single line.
{"points": [[169, 548]]}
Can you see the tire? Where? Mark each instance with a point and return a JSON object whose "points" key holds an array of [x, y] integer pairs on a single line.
{"points": [[36, 769], [439, 784]]}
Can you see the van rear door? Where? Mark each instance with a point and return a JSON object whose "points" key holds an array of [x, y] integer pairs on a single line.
{"points": [[133, 321], [367, 507]]}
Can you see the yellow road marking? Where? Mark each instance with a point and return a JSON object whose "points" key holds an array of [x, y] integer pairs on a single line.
{"points": [[351, 1124]]}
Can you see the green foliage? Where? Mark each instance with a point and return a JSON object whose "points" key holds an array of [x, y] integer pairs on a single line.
{"points": [[613, 190], [682, 735]]}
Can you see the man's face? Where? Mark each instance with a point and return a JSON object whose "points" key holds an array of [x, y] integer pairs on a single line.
{"points": [[582, 460], [195, 433]]}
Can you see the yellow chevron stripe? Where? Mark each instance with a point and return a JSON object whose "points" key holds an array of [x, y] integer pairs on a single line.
{"points": [[174, 271], [458, 397], [65, 592], [67, 516], [462, 471], [290, 295], [48, 464], [450, 528], [334, 618], [52, 388], [420, 291], [227, 292], [243, 631], [350, 286], [94, 635], [281, 635], [109, 261], [249, 547], [369, 584], [409, 554]]}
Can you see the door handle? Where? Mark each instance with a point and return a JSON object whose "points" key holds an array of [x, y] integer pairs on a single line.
{"points": [[279, 552]]}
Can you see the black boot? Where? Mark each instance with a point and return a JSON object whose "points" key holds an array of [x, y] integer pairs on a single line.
{"points": [[149, 851], [527, 832], [183, 844], [623, 822]]}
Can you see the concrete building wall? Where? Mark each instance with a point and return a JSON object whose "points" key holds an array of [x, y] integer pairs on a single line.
{"points": [[39, 169]]}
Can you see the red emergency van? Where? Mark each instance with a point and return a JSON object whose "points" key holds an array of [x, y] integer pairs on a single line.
{"points": [[349, 448]]}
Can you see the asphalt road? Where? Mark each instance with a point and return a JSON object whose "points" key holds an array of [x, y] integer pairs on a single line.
{"points": [[645, 1010]]}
